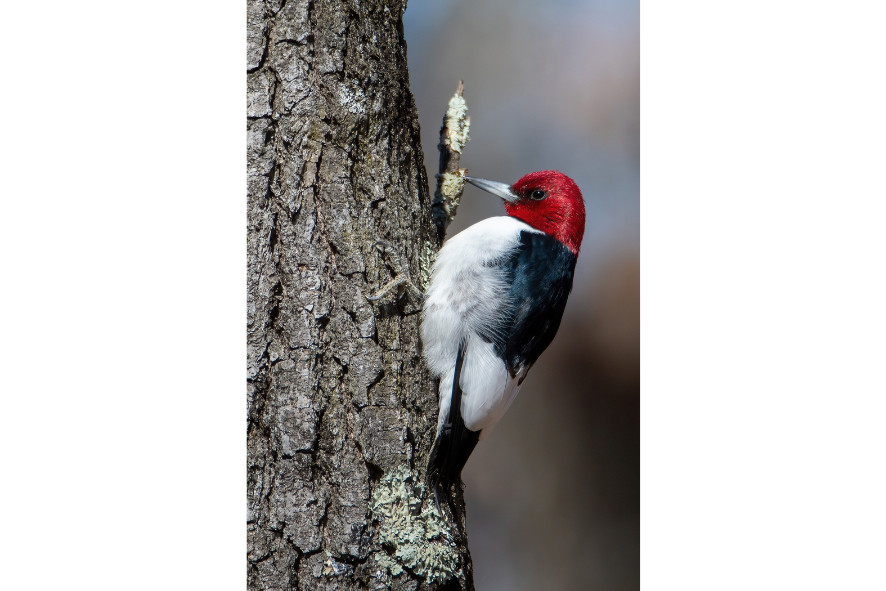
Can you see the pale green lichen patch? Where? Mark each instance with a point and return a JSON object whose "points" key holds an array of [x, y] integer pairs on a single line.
{"points": [[427, 258], [415, 539], [457, 122], [453, 184]]}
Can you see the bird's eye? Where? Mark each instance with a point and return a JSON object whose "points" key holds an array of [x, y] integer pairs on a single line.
{"points": [[538, 194]]}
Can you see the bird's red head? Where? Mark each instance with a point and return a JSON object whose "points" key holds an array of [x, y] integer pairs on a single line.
{"points": [[546, 200], [551, 202]]}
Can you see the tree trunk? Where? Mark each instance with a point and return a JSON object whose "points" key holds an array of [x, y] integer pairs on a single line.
{"points": [[341, 410]]}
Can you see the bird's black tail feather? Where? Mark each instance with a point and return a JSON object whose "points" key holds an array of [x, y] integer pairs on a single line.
{"points": [[454, 443]]}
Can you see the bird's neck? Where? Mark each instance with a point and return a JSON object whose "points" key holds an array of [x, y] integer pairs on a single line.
{"points": [[566, 226]]}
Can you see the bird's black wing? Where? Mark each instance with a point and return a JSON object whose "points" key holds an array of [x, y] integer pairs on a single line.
{"points": [[540, 274], [455, 442]]}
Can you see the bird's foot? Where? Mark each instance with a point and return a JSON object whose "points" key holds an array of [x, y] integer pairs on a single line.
{"points": [[401, 278]]}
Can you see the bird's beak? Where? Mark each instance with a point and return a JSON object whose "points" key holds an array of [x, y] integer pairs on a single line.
{"points": [[498, 189]]}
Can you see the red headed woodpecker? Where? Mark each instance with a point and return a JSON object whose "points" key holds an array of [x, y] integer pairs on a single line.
{"points": [[495, 301]]}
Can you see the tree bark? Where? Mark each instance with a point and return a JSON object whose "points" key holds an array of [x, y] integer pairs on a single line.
{"points": [[341, 410]]}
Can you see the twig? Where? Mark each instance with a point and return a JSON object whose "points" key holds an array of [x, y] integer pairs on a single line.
{"points": [[454, 134]]}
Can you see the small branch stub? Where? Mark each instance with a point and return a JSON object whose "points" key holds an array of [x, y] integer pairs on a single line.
{"points": [[454, 134]]}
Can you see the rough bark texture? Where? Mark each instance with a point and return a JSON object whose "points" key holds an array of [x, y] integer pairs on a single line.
{"points": [[341, 410]]}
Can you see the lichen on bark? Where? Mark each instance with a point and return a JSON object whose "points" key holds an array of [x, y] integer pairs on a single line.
{"points": [[414, 534]]}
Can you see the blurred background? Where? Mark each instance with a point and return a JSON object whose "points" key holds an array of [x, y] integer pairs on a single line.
{"points": [[553, 493]]}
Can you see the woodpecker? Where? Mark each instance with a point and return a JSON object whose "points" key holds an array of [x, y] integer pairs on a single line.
{"points": [[496, 297]]}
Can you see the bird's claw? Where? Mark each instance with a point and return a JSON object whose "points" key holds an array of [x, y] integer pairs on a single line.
{"points": [[401, 276]]}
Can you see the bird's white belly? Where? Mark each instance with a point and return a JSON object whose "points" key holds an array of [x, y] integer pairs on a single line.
{"points": [[487, 389]]}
